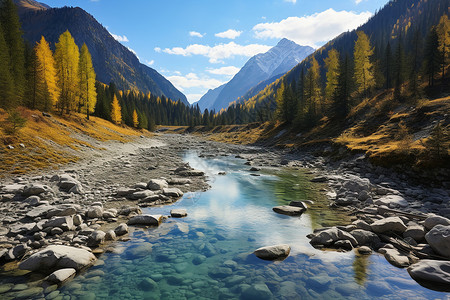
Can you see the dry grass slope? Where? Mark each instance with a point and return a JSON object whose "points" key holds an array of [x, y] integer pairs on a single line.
{"points": [[51, 141]]}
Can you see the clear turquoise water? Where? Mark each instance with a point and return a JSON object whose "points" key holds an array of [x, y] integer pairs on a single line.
{"points": [[206, 255]]}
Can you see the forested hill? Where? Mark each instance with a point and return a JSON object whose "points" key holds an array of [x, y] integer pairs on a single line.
{"points": [[112, 61], [408, 21]]}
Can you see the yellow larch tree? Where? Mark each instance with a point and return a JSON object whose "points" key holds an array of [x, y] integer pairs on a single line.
{"points": [[67, 58], [86, 73], [46, 74], [364, 74], [116, 111], [332, 66], [135, 119], [443, 31], [312, 87]]}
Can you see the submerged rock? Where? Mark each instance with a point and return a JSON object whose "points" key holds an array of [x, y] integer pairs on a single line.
{"points": [[289, 210], [178, 213], [273, 252], [58, 256]]}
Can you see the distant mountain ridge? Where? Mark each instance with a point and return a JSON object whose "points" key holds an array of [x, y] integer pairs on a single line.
{"points": [[112, 61], [261, 67]]}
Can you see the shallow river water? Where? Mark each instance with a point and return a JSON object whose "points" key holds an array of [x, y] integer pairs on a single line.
{"points": [[207, 254]]}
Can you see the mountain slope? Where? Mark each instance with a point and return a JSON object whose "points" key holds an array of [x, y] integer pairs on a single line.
{"points": [[112, 61], [208, 99], [278, 60], [396, 18]]}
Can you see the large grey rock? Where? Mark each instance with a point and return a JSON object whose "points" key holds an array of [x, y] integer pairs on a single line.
{"points": [[439, 239], [96, 238], [396, 258], [289, 210], [95, 212], [172, 192], [141, 195], [436, 271], [39, 211], [66, 183], [178, 213], [121, 229], [364, 237], [153, 220], [394, 224], [157, 184], [65, 223], [415, 231], [434, 220], [357, 184], [391, 201], [61, 276], [64, 210], [35, 189], [21, 228], [13, 188], [58, 257], [329, 236], [273, 252]]}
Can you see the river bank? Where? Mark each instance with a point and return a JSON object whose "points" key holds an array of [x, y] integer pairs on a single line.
{"points": [[114, 183]]}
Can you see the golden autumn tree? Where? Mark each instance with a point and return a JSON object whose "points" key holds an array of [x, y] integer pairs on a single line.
{"points": [[332, 66], [116, 111], [46, 75], [86, 73], [443, 32], [67, 57], [312, 88], [364, 74], [135, 119]]}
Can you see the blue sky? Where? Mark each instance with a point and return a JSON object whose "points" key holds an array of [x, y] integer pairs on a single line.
{"points": [[200, 44]]}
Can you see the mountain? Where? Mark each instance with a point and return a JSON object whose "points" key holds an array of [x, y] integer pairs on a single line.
{"points": [[112, 61], [208, 99], [261, 67], [398, 18]]}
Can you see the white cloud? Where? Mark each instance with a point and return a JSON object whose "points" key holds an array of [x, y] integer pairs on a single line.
{"points": [[228, 71], [314, 29], [192, 80], [196, 34], [292, 1], [157, 49], [229, 34], [120, 38], [218, 52], [358, 1], [150, 62]]}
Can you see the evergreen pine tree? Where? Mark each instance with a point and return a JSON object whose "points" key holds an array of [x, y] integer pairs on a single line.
{"points": [[341, 97], [6, 80], [431, 60]]}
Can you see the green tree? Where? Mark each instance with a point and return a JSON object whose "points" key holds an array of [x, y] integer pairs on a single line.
{"points": [[364, 75], [432, 56], [312, 91], [341, 96], [13, 38], [86, 74], [14, 122], [399, 69], [388, 63], [443, 32], [6, 80]]}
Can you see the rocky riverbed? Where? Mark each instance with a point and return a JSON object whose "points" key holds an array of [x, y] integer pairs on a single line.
{"points": [[71, 215]]}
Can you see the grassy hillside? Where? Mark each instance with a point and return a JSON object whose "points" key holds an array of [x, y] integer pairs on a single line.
{"points": [[47, 142]]}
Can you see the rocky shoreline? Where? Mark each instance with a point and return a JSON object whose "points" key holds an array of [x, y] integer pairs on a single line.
{"points": [[86, 206]]}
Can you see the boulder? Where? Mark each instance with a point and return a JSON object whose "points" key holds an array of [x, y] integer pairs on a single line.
{"points": [[96, 238], [439, 239], [77, 220], [61, 276], [273, 252], [172, 192], [65, 223], [110, 235], [58, 257], [329, 236], [394, 224], [415, 231], [67, 182], [123, 192], [289, 210], [391, 201], [396, 258], [13, 188], [35, 189], [436, 271], [360, 224], [39, 211], [95, 212], [65, 210], [364, 237], [153, 220], [121, 229], [434, 220], [141, 195], [178, 213], [157, 184]]}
